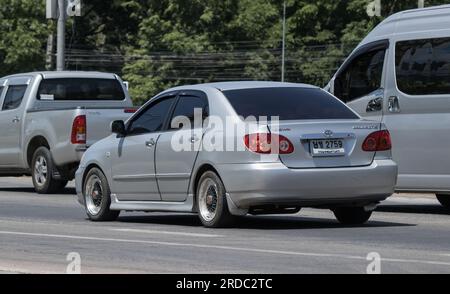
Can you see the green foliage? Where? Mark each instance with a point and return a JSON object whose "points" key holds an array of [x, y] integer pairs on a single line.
{"points": [[158, 44], [23, 36]]}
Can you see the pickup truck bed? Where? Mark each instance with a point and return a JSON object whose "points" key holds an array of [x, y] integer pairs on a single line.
{"points": [[62, 112]]}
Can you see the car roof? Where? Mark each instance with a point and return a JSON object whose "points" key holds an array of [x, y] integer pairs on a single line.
{"points": [[65, 74], [238, 85]]}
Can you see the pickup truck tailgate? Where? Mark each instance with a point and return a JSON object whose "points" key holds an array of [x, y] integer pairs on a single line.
{"points": [[98, 122]]}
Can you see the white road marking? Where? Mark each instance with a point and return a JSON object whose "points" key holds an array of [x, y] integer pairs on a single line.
{"points": [[229, 248], [167, 233]]}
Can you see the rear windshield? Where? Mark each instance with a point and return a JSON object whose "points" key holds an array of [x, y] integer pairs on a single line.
{"points": [[76, 89], [288, 104]]}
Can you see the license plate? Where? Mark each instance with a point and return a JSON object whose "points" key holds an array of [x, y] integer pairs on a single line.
{"points": [[334, 147]]}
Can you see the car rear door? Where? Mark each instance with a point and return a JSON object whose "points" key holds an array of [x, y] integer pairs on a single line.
{"points": [[360, 82], [177, 148], [11, 120], [133, 165]]}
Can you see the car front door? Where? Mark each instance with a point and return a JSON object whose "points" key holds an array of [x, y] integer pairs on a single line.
{"points": [[360, 81], [11, 117], [418, 110], [177, 148], [133, 165]]}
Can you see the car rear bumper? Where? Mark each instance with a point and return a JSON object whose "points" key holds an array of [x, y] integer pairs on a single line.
{"points": [[256, 184]]}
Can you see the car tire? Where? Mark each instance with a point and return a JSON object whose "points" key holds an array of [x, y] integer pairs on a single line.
{"points": [[42, 169], [352, 215], [211, 202], [97, 197], [444, 200]]}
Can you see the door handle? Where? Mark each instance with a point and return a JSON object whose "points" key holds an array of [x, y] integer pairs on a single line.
{"points": [[194, 139], [393, 104], [375, 105], [16, 119], [150, 143]]}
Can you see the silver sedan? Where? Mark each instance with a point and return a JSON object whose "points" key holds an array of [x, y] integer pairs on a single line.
{"points": [[230, 149]]}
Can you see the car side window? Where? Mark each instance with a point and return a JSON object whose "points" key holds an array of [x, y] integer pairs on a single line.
{"points": [[14, 97], [1, 91], [186, 107], [361, 77], [151, 119], [423, 66]]}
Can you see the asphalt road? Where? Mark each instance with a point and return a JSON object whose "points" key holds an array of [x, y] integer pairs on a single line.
{"points": [[410, 233]]}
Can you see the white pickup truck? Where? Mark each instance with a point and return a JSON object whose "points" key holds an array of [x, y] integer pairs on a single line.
{"points": [[48, 120]]}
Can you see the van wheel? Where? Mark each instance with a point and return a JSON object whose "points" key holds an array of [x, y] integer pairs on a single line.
{"points": [[97, 197], [42, 168], [444, 200], [212, 202], [352, 215]]}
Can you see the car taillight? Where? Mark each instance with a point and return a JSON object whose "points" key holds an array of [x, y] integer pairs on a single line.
{"points": [[130, 110], [79, 130], [378, 141], [264, 143]]}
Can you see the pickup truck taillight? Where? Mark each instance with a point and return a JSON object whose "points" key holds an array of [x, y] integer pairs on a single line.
{"points": [[79, 130]]}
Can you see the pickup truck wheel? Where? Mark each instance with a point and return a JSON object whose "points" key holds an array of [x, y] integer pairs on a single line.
{"points": [[212, 202], [97, 196], [42, 168], [444, 200], [352, 215]]}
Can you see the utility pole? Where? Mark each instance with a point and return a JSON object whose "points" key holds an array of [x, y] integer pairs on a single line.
{"points": [[49, 59], [61, 37], [283, 52], [60, 10]]}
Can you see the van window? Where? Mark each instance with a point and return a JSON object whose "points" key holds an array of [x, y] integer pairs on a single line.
{"points": [[361, 77], [77, 89], [14, 97], [423, 66]]}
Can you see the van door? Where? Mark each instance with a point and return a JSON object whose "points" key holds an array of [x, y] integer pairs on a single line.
{"points": [[11, 119], [360, 81], [418, 110]]}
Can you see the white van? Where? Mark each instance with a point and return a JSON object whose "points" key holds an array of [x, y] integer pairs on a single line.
{"points": [[400, 75]]}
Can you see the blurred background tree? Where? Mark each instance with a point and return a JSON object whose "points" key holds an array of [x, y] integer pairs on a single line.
{"points": [[158, 44], [23, 35]]}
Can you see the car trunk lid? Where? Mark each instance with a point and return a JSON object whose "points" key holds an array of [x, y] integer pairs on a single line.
{"points": [[325, 144]]}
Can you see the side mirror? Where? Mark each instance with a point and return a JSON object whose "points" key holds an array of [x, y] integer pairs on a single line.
{"points": [[118, 127]]}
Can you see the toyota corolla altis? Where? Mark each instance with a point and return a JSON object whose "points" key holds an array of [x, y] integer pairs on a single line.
{"points": [[230, 149]]}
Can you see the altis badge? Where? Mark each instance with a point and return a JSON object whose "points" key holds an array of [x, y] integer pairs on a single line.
{"points": [[368, 127]]}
